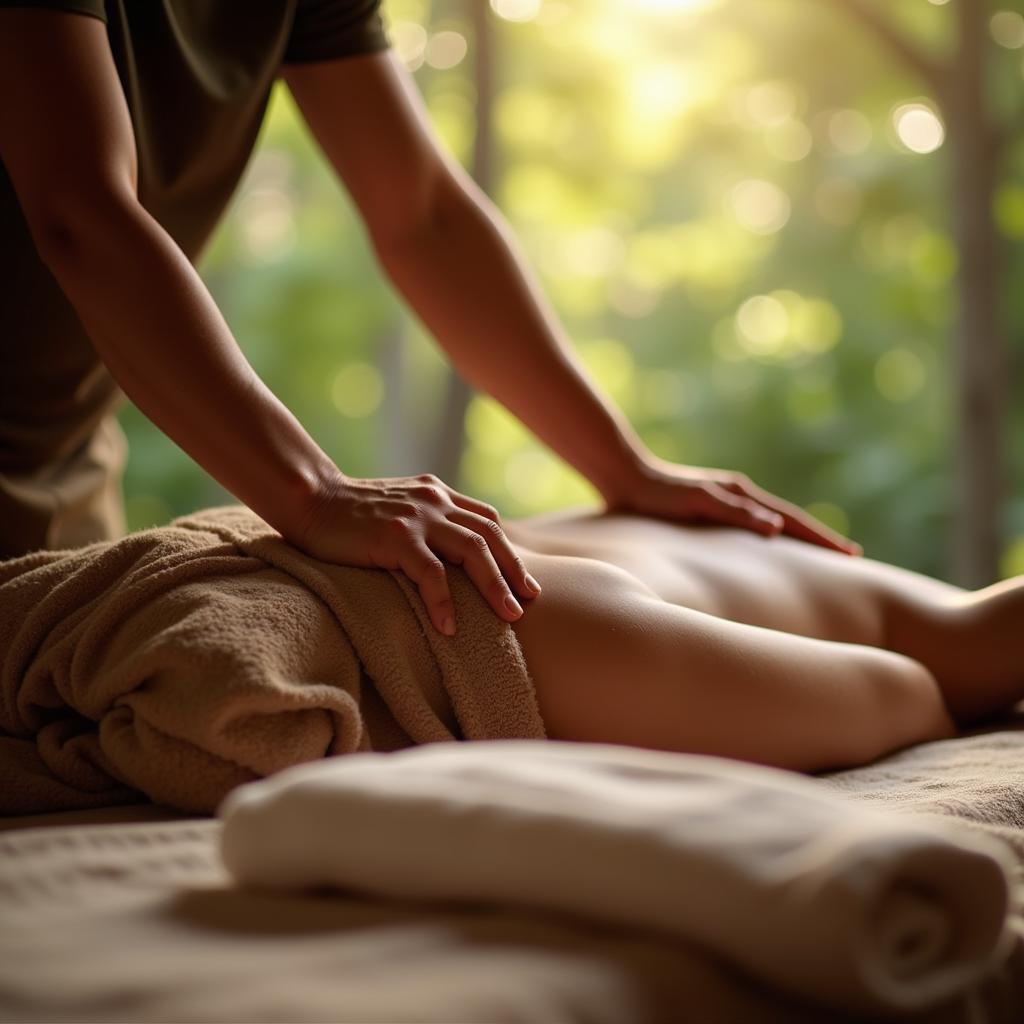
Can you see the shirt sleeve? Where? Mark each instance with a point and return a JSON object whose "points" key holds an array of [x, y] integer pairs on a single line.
{"points": [[94, 8], [329, 29]]}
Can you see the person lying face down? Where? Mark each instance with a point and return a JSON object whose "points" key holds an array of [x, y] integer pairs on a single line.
{"points": [[182, 661]]}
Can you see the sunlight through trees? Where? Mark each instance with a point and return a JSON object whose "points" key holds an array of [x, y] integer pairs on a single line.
{"points": [[741, 209]]}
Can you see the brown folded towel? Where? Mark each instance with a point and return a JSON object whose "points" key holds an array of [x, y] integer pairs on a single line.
{"points": [[182, 661]]}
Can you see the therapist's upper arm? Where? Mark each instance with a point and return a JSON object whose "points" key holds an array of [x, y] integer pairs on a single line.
{"points": [[371, 123], [66, 136]]}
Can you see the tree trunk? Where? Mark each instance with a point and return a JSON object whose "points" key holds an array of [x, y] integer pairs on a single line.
{"points": [[452, 433], [980, 361]]}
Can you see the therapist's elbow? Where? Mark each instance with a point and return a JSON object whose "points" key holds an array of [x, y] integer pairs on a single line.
{"points": [[424, 219], [74, 228]]}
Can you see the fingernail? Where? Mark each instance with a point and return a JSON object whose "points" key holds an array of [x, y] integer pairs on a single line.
{"points": [[532, 584], [448, 626], [513, 606]]}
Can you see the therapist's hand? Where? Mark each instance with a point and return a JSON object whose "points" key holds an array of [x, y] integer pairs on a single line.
{"points": [[691, 494], [415, 524]]}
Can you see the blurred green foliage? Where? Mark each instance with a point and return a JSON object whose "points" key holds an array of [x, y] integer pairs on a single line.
{"points": [[722, 204]]}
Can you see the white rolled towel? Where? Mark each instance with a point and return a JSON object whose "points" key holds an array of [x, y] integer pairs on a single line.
{"points": [[805, 889]]}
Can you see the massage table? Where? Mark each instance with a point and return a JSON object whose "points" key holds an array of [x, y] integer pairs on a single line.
{"points": [[127, 914], [186, 661]]}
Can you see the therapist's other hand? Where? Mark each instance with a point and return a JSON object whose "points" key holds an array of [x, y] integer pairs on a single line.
{"points": [[692, 494], [414, 524]]}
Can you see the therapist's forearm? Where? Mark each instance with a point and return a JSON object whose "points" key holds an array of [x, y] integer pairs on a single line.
{"points": [[463, 275], [160, 334]]}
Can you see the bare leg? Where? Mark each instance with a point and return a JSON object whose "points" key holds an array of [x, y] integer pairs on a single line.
{"points": [[613, 662], [970, 643], [973, 643]]}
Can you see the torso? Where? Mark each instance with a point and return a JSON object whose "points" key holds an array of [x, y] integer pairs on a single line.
{"points": [[777, 583]]}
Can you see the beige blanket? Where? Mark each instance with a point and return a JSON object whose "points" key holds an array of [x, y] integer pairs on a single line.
{"points": [[182, 661]]}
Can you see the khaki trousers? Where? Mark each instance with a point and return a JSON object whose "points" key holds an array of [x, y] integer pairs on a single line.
{"points": [[69, 502]]}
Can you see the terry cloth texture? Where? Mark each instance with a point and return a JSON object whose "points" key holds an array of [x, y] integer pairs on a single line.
{"points": [[845, 905], [141, 922], [182, 661]]}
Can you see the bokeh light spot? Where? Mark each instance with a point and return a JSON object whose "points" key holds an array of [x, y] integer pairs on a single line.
{"points": [[409, 40], [918, 127], [780, 326], [760, 206], [675, 5], [658, 92], [592, 252], [267, 222], [763, 324], [1007, 28], [815, 324], [357, 390], [516, 10], [445, 49]]}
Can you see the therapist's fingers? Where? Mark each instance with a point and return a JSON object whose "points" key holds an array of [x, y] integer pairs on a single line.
{"points": [[429, 574], [471, 550], [796, 522], [413, 524], [511, 564], [714, 503]]}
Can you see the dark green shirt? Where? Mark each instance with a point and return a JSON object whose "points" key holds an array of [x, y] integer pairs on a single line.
{"points": [[196, 75]]}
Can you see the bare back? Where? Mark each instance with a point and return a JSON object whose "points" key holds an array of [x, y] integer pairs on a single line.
{"points": [[778, 583]]}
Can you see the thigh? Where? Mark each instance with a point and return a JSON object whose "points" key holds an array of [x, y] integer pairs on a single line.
{"points": [[612, 662]]}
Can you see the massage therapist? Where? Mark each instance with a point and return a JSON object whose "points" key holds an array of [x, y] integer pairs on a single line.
{"points": [[124, 128]]}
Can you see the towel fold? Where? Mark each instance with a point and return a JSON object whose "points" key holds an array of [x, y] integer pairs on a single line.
{"points": [[182, 661], [852, 907]]}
